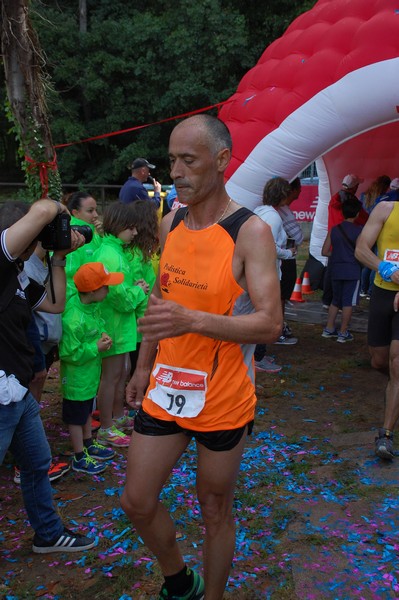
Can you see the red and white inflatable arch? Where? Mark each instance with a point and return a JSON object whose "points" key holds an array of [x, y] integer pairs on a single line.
{"points": [[327, 90]]}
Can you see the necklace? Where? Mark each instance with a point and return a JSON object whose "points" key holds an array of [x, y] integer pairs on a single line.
{"points": [[224, 212], [186, 216]]}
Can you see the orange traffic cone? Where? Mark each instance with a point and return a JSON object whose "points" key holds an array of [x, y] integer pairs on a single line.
{"points": [[296, 295], [306, 289]]}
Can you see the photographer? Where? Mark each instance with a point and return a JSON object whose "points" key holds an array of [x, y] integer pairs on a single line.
{"points": [[21, 429]]}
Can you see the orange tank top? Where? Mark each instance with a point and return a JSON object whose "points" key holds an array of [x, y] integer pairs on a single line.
{"points": [[201, 383]]}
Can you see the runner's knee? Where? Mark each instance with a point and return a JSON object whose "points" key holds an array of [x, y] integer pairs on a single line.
{"points": [[136, 506], [215, 508]]}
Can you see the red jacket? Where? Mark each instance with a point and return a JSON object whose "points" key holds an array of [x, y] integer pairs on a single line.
{"points": [[335, 216]]}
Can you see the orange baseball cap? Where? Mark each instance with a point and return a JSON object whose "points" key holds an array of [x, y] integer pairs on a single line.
{"points": [[92, 276]]}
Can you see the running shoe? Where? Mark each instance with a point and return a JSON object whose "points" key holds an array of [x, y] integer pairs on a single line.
{"points": [[384, 444], [327, 333], [124, 423], [196, 592], [68, 541], [95, 425], [287, 331], [344, 337], [100, 452], [113, 437], [87, 464], [270, 358], [17, 476], [55, 471], [284, 340], [267, 366]]}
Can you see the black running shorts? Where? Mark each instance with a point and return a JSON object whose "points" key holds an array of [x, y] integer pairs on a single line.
{"points": [[383, 323], [218, 441]]}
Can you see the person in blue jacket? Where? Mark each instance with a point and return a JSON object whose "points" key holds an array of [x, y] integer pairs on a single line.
{"points": [[133, 189]]}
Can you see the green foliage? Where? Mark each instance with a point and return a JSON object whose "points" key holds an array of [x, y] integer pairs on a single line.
{"points": [[32, 169], [140, 63]]}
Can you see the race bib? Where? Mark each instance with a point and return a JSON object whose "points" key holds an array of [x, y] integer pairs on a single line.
{"points": [[391, 256], [180, 392]]}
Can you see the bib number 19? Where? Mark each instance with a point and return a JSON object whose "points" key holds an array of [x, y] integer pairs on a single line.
{"points": [[178, 401], [179, 392]]}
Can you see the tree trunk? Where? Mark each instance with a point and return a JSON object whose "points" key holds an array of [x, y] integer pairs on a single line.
{"points": [[25, 83], [82, 16]]}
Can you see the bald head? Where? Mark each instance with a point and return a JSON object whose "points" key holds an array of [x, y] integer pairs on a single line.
{"points": [[213, 131]]}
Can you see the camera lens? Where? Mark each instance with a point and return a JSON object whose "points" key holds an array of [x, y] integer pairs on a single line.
{"points": [[85, 230]]}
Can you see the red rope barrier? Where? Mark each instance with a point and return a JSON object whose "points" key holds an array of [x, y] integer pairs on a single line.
{"points": [[113, 133]]}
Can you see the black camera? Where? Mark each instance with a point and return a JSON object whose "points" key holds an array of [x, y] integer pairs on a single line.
{"points": [[57, 234]]}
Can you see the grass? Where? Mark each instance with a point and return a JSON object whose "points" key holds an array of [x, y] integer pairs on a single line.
{"points": [[281, 517], [122, 584]]}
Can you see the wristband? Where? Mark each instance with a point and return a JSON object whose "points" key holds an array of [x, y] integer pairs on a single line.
{"points": [[58, 262], [386, 269]]}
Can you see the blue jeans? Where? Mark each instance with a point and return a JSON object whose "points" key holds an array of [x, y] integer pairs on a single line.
{"points": [[21, 431]]}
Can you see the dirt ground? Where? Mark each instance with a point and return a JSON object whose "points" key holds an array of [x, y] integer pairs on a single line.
{"points": [[317, 513]]}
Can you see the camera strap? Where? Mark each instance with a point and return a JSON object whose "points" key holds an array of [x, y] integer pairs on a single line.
{"points": [[50, 276]]}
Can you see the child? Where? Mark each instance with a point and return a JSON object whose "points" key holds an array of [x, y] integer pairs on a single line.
{"points": [[119, 313], [144, 245], [339, 245], [82, 341], [83, 209]]}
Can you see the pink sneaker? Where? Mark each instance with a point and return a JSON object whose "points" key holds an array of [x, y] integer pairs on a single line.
{"points": [[113, 437], [124, 423]]}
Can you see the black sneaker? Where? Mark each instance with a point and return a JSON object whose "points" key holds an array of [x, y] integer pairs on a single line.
{"points": [[196, 592], [68, 541], [384, 444]]}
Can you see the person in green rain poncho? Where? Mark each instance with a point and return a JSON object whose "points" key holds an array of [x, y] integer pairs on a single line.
{"points": [[83, 209], [119, 313], [83, 339]]}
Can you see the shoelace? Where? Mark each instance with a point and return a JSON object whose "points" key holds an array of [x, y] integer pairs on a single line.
{"points": [[116, 433], [89, 459], [125, 420], [97, 445]]}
